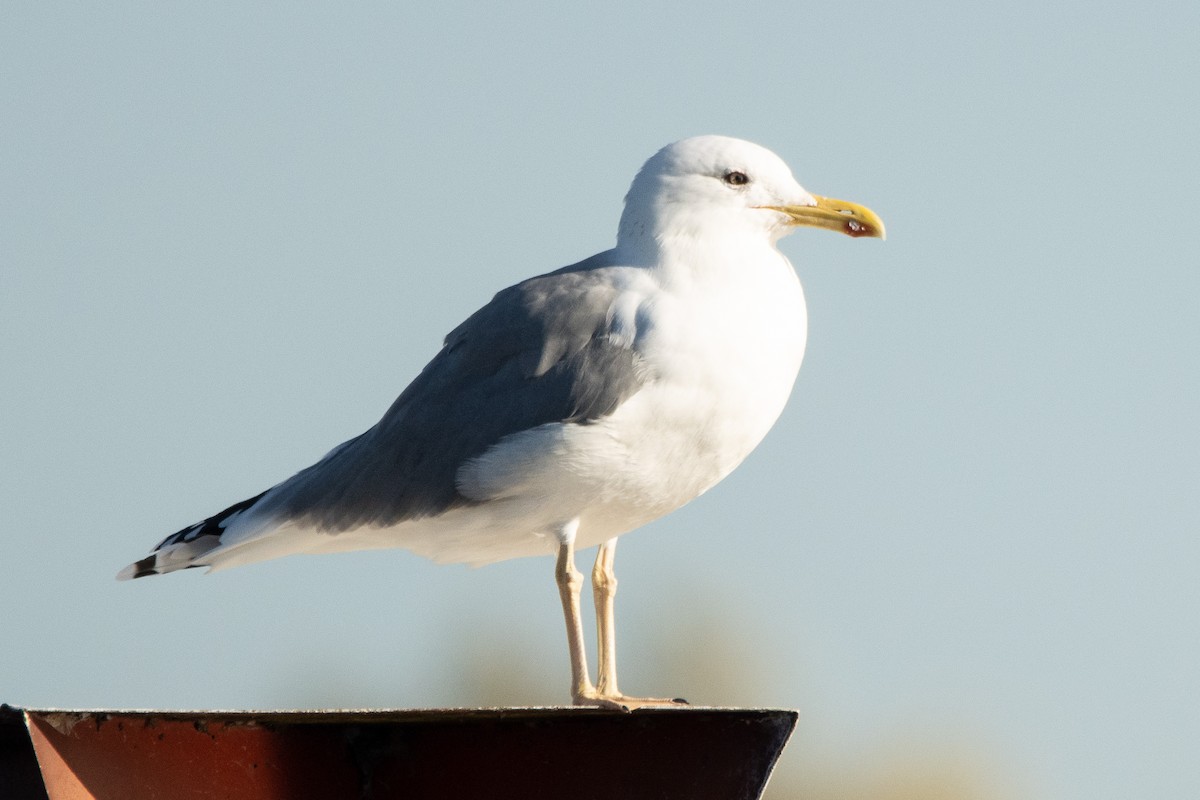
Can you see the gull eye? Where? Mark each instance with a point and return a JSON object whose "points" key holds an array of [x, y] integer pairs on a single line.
{"points": [[736, 178]]}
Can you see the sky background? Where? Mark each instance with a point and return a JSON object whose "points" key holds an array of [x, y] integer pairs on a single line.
{"points": [[229, 236]]}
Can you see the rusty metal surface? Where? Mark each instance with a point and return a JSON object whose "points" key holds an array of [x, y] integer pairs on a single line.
{"points": [[693, 753]]}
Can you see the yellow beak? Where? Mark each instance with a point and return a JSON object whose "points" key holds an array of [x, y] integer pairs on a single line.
{"points": [[836, 215]]}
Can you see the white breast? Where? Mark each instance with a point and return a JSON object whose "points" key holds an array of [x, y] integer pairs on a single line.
{"points": [[720, 363], [725, 358]]}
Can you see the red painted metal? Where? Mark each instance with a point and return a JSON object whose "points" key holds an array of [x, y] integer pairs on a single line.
{"points": [[577, 753]]}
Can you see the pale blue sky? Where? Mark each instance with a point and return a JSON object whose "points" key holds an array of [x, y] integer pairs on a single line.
{"points": [[229, 237]]}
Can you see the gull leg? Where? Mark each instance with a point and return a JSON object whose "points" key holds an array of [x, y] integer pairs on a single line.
{"points": [[570, 583], [604, 590]]}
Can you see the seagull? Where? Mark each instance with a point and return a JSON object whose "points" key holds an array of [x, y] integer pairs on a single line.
{"points": [[575, 406]]}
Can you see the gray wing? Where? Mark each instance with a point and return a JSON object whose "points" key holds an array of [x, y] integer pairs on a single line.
{"points": [[538, 353]]}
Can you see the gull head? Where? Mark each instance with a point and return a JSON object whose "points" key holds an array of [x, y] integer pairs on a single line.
{"points": [[718, 185]]}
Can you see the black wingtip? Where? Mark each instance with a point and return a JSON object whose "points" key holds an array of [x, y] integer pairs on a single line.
{"points": [[145, 567]]}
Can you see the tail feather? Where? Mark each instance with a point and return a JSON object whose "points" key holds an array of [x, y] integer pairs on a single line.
{"points": [[185, 549]]}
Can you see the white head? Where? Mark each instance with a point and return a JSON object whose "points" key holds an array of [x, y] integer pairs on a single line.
{"points": [[715, 182]]}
